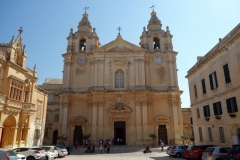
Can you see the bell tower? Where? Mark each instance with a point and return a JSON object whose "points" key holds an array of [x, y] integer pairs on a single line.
{"points": [[85, 39], [154, 39]]}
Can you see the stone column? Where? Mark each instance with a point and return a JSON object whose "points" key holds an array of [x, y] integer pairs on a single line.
{"points": [[92, 73], [67, 73], [94, 121], [145, 121], [101, 73], [100, 120], [143, 73], [14, 137], [136, 72], [171, 71], [65, 106], [138, 123], [96, 73]]}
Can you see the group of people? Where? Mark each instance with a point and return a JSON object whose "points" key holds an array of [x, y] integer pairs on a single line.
{"points": [[104, 145], [119, 141]]}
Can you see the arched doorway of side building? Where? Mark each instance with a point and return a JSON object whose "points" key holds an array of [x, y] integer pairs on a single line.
{"points": [[120, 131], [8, 131], [55, 137]]}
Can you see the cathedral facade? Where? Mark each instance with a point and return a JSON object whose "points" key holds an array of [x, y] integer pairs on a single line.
{"points": [[118, 90]]}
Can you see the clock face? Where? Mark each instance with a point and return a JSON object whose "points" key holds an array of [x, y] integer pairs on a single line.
{"points": [[81, 60], [158, 59]]}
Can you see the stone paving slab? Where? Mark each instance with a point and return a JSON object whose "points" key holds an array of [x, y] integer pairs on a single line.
{"points": [[119, 149], [120, 156]]}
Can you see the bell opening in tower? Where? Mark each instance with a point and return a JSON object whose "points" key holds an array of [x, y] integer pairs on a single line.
{"points": [[82, 46], [156, 44]]}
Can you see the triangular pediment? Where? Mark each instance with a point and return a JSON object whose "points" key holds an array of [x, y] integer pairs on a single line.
{"points": [[119, 46], [119, 107], [79, 119], [161, 118]]}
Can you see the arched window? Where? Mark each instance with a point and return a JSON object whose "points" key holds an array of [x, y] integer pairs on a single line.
{"points": [[119, 79], [82, 45], [156, 44]]}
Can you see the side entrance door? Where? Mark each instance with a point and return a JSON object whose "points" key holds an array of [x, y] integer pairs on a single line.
{"points": [[78, 136], [162, 134]]}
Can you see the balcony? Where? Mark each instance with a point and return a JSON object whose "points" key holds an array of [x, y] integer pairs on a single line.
{"points": [[28, 108]]}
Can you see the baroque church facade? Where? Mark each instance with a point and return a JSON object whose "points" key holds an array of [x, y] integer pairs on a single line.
{"points": [[118, 90]]}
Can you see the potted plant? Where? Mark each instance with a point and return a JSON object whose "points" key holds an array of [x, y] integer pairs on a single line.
{"points": [[184, 137], [153, 136]]}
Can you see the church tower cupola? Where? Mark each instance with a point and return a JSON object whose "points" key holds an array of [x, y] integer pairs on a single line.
{"points": [[154, 22], [84, 24], [154, 39], [85, 39]]}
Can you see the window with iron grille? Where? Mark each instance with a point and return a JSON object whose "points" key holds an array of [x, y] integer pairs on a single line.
{"points": [[119, 79], [213, 80], [232, 105], [221, 132], [206, 111], [198, 113], [210, 134], [203, 86], [195, 91], [200, 134], [217, 108], [226, 74]]}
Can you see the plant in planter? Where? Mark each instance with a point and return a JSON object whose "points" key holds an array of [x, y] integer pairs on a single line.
{"points": [[184, 137], [153, 136]]}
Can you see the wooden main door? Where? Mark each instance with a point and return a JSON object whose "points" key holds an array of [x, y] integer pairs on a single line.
{"points": [[78, 136], [162, 134], [120, 131]]}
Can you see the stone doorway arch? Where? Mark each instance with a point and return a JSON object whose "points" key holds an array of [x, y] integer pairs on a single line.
{"points": [[8, 132]]}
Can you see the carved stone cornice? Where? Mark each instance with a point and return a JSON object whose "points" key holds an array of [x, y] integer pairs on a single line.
{"points": [[143, 102], [227, 41], [65, 104], [68, 63], [174, 103], [9, 110], [96, 102]]}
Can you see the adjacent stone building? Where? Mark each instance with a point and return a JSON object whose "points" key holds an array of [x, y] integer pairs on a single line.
{"points": [[118, 90], [22, 103], [214, 88], [187, 123]]}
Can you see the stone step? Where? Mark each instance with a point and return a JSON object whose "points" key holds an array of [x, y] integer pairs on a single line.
{"points": [[119, 149]]}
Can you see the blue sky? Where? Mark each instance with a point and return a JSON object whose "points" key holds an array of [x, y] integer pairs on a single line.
{"points": [[196, 27]]}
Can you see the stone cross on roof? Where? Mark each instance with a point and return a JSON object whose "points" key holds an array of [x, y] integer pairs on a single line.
{"points": [[119, 29]]}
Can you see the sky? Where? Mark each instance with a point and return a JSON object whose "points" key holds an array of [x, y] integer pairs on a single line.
{"points": [[196, 27]]}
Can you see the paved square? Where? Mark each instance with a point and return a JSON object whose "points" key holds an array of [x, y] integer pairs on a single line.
{"points": [[122, 156]]}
